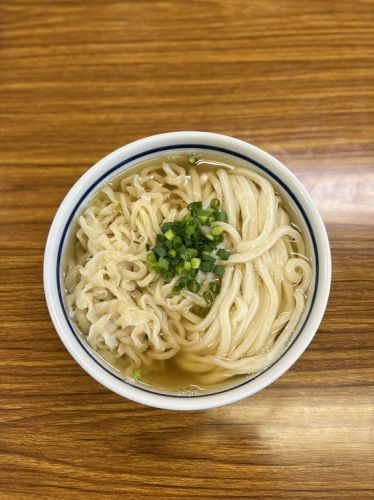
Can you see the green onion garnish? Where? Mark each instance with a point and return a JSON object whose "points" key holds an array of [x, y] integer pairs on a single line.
{"points": [[193, 286], [192, 251], [159, 251], [209, 236], [177, 242], [195, 205], [214, 288], [203, 311], [169, 234], [195, 263], [207, 266], [192, 159], [186, 248], [189, 230], [223, 254], [187, 265], [151, 257], [215, 203], [137, 374], [185, 255], [221, 216], [219, 271], [216, 230], [166, 226], [208, 298], [163, 263], [179, 269]]}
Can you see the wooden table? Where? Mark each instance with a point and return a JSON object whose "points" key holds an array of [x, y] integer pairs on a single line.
{"points": [[81, 78]]}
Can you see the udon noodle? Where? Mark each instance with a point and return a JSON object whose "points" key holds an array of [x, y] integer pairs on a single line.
{"points": [[124, 309]]}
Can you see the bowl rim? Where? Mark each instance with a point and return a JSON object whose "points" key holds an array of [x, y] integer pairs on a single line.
{"points": [[97, 175]]}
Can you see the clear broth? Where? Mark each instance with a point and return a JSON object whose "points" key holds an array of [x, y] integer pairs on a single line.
{"points": [[167, 376]]}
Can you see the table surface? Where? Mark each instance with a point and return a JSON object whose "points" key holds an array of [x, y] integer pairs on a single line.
{"points": [[80, 79]]}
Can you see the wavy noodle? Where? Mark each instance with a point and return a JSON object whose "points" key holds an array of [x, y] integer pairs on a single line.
{"points": [[124, 310]]}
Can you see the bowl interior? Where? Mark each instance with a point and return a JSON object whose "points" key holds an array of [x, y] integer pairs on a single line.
{"points": [[284, 184]]}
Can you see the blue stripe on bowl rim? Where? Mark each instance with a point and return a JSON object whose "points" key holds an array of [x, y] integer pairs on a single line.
{"points": [[160, 150]]}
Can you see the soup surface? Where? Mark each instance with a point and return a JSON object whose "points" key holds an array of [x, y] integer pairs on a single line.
{"points": [[187, 272]]}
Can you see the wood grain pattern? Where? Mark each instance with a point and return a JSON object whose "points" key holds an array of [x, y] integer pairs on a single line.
{"points": [[79, 79]]}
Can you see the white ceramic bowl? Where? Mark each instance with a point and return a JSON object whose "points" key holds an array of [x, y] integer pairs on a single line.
{"points": [[118, 161]]}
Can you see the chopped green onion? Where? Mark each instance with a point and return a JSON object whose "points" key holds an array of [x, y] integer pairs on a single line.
{"points": [[207, 266], [192, 159], [208, 298], [193, 286], [221, 216], [216, 230], [186, 246], [201, 211], [166, 226], [195, 205], [195, 263], [185, 255], [187, 265], [219, 271], [203, 311], [182, 249], [151, 257], [183, 281], [137, 374], [167, 274], [159, 251], [178, 226], [223, 254], [215, 203], [208, 236], [202, 215], [163, 263], [177, 241], [189, 230], [214, 288], [169, 234], [179, 269], [192, 251]]}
